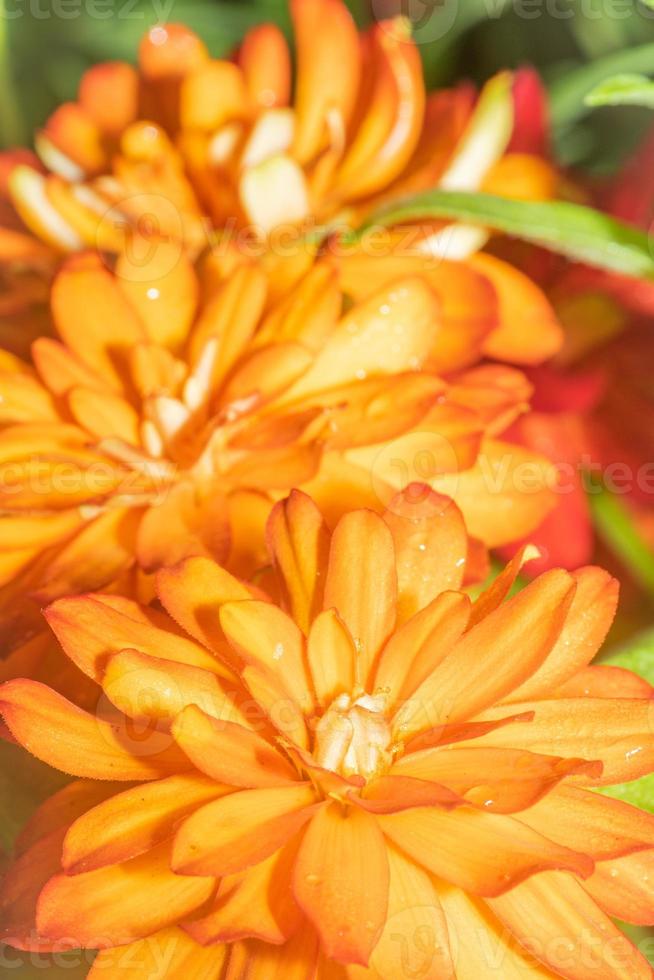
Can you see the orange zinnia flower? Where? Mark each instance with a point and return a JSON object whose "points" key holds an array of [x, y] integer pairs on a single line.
{"points": [[368, 750], [167, 418], [196, 150]]}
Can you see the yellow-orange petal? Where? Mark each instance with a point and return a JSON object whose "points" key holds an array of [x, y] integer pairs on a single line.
{"points": [[501, 780], [478, 672], [142, 686], [212, 95], [520, 302], [134, 821], [588, 621], [605, 828], [501, 586], [60, 369], [265, 637], [91, 629], [114, 906], [108, 93], [230, 753], [325, 36], [394, 792], [430, 543], [241, 829], [93, 318], [190, 520], [298, 541], [332, 654], [170, 51], [361, 584], [161, 286], [81, 744], [266, 65], [170, 951], [624, 888], [618, 731], [193, 591], [571, 929], [257, 903], [104, 414], [416, 649], [604, 681], [341, 881], [499, 851]]}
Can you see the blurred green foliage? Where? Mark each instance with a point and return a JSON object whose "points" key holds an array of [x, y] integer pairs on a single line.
{"points": [[45, 45]]}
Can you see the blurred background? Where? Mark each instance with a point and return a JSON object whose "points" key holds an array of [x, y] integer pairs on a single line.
{"points": [[45, 45]]}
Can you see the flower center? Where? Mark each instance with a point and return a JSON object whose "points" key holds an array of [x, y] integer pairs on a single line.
{"points": [[353, 738]]}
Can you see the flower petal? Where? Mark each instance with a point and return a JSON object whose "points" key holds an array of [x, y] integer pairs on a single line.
{"points": [[478, 671], [74, 741], [242, 829], [165, 954], [341, 881], [603, 827], [585, 628], [299, 544], [331, 653], [430, 546], [624, 887], [619, 731], [575, 938], [134, 821], [265, 61], [230, 753], [361, 584], [90, 630], [114, 906], [499, 851]]}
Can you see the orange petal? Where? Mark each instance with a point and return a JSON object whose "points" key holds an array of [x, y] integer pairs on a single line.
{"points": [[60, 369], [109, 94], [93, 318], [114, 906], [430, 547], [230, 753], [415, 938], [582, 819], [71, 138], [134, 821], [104, 414], [341, 881], [623, 888], [585, 628], [90, 630], [193, 591], [572, 931], [242, 829], [502, 781], [257, 903], [21, 886], [265, 637], [74, 741], [170, 951], [499, 851], [212, 95], [395, 792], [325, 35], [266, 65], [63, 808], [501, 586], [618, 731], [162, 288], [480, 943], [603, 681], [191, 520], [298, 541], [331, 653], [361, 584], [521, 301], [170, 50], [392, 120], [143, 687], [478, 672], [416, 649], [505, 495]]}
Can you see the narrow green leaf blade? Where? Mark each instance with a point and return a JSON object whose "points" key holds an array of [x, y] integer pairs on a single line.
{"points": [[623, 90], [580, 233], [616, 527]]}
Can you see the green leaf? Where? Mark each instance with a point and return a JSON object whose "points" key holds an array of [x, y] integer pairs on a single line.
{"points": [[567, 93], [24, 784], [640, 793], [615, 526], [623, 90], [579, 233]]}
